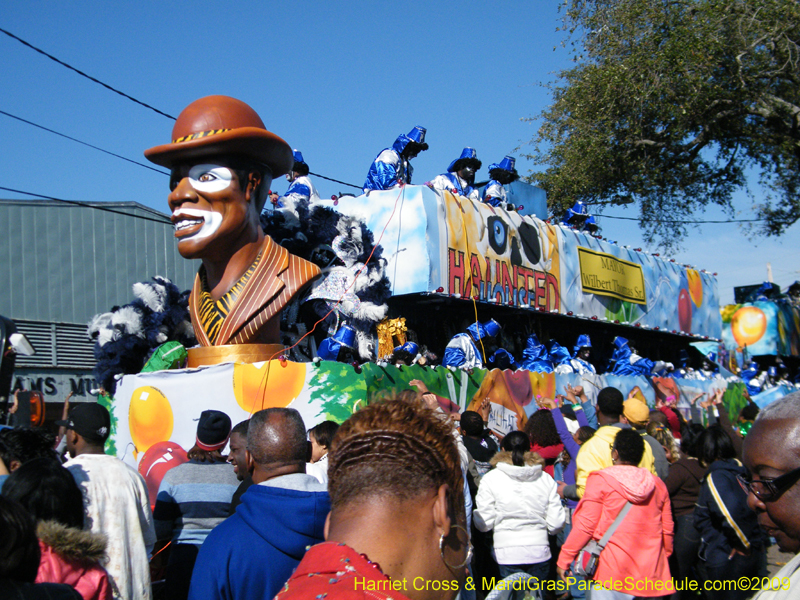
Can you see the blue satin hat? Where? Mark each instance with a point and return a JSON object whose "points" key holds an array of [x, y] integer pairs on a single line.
{"points": [[477, 331], [583, 342], [491, 327], [558, 354], [298, 156], [409, 347], [329, 347], [468, 155], [620, 342], [579, 208], [417, 134], [507, 164]]}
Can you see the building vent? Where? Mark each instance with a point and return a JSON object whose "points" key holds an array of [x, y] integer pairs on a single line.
{"points": [[60, 345]]}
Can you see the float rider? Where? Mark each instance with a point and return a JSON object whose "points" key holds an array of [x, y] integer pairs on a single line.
{"points": [[392, 167], [460, 176]]}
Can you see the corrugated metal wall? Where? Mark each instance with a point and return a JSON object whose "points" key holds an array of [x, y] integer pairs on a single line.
{"points": [[62, 263]]}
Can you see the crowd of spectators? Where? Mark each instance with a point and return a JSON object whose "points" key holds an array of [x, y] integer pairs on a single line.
{"points": [[406, 500]]}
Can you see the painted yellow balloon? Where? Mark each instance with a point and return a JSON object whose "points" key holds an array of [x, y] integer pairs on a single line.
{"points": [[149, 417], [695, 286], [748, 324], [273, 384]]}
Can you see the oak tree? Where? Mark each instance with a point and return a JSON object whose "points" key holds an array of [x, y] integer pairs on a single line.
{"points": [[673, 105]]}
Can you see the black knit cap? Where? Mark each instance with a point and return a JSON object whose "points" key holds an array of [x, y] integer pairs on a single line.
{"points": [[89, 420], [213, 430]]}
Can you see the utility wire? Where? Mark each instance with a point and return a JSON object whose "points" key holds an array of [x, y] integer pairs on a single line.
{"points": [[84, 143], [680, 220], [98, 206], [123, 94], [79, 72]]}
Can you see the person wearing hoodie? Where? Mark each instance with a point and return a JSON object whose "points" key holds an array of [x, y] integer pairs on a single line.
{"points": [[595, 453], [397, 526], [519, 502], [69, 554], [253, 552], [731, 543], [637, 551]]}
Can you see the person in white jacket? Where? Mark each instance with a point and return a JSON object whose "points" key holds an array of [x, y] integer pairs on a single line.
{"points": [[519, 501]]}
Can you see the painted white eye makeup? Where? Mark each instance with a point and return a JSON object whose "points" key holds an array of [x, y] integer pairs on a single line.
{"points": [[210, 178]]}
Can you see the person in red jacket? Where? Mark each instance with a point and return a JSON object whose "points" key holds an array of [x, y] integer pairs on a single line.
{"points": [[634, 562]]}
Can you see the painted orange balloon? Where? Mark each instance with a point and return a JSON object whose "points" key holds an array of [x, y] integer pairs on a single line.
{"points": [[748, 324], [274, 384], [150, 417], [695, 286]]}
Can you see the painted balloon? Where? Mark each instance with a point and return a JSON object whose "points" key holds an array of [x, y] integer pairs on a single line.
{"points": [[159, 459], [273, 384], [149, 417], [695, 286], [748, 324], [685, 311]]}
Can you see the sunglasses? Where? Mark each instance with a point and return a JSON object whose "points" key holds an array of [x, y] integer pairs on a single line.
{"points": [[771, 488]]}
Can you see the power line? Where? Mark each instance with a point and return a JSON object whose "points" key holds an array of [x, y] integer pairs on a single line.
{"points": [[123, 94], [79, 72], [680, 220], [164, 221], [84, 143]]}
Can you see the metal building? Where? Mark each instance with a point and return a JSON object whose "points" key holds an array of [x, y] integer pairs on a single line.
{"points": [[62, 263]]}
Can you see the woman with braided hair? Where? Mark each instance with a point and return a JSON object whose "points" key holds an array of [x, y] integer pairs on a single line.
{"points": [[397, 523]]}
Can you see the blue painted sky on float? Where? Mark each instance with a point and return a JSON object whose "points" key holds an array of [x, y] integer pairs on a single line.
{"points": [[338, 80]]}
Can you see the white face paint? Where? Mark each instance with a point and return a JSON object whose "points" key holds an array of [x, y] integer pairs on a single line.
{"points": [[186, 218], [210, 178]]}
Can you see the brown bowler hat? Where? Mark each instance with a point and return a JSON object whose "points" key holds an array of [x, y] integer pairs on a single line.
{"points": [[217, 125]]}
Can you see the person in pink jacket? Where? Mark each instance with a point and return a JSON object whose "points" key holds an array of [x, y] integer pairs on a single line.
{"points": [[634, 562], [69, 554]]}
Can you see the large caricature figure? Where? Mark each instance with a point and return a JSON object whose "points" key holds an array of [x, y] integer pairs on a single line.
{"points": [[223, 161]]}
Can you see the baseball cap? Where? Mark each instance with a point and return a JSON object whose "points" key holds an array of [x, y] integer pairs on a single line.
{"points": [[89, 420], [636, 411]]}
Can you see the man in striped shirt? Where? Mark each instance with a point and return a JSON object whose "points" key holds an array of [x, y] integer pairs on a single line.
{"points": [[193, 499]]}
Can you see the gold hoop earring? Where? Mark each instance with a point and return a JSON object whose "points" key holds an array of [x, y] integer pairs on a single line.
{"points": [[469, 550]]}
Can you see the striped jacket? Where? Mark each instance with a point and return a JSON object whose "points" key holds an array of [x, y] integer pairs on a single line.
{"points": [[249, 313], [193, 498]]}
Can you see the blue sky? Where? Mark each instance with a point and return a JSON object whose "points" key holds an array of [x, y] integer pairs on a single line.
{"points": [[338, 80]]}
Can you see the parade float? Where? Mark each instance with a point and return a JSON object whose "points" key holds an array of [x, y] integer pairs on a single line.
{"points": [[447, 259], [766, 330], [408, 264]]}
